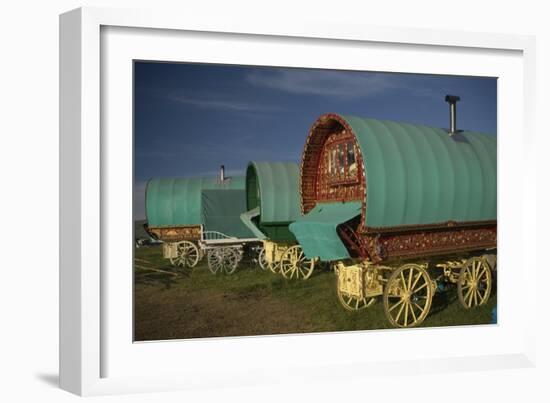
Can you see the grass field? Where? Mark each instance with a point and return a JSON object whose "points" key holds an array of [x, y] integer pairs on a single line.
{"points": [[177, 304]]}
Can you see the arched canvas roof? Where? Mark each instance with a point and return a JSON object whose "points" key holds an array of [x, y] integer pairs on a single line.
{"points": [[273, 199], [273, 187], [415, 177], [419, 175]]}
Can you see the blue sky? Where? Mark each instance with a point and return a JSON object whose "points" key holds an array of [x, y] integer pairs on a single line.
{"points": [[191, 118]]}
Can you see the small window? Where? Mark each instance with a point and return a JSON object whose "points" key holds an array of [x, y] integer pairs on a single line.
{"points": [[352, 163], [341, 166], [333, 158]]}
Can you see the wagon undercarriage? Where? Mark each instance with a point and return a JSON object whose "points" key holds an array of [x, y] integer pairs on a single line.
{"points": [[407, 289], [287, 259]]}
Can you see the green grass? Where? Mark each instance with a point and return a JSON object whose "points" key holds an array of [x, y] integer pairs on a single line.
{"points": [[176, 304]]}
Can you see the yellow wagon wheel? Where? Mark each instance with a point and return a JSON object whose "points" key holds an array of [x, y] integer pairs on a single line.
{"points": [[187, 255], [275, 267], [294, 264], [474, 283], [350, 302], [408, 296]]}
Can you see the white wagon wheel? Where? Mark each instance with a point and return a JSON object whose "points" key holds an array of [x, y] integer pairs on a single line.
{"points": [[213, 260], [262, 260], [294, 264], [474, 283], [187, 255], [223, 259], [408, 296]]}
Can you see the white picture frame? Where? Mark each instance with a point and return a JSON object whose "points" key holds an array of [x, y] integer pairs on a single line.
{"points": [[87, 326]]}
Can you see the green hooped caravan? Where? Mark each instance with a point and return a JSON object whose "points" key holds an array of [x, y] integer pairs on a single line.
{"points": [[194, 216], [387, 203], [273, 203]]}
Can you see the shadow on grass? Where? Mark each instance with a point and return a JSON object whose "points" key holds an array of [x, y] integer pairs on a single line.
{"points": [[448, 296], [166, 276], [442, 299]]}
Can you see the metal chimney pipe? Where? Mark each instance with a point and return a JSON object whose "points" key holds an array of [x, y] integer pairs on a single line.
{"points": [[222, 173], [452, 100]]}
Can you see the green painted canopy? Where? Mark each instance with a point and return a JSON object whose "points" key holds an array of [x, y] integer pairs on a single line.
{"points": [[316, 231], [419, 175], [272, 191], [178, 201], [221, 211]]}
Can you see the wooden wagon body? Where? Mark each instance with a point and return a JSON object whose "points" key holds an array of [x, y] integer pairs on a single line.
{"points": [[380, 195]]}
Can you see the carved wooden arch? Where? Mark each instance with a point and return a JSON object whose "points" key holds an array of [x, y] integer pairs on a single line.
{"points": [[325, 126]]}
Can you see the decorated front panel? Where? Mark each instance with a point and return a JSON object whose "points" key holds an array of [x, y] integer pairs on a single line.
{"points": [[340, 170]]}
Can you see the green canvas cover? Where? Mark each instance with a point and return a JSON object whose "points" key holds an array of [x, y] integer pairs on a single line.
{"points": [[316, 231], [177, 201], [418, 175], [272, 188], [221, 212]]}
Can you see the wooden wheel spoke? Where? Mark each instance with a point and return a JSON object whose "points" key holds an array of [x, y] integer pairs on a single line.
{"points": [[420, 288], [412, 312], [416, 281], [471, 298], [480, 296], [469, 276], [399, 313], [481, 270], [395, 305], [403, 281], [468, 292]]}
